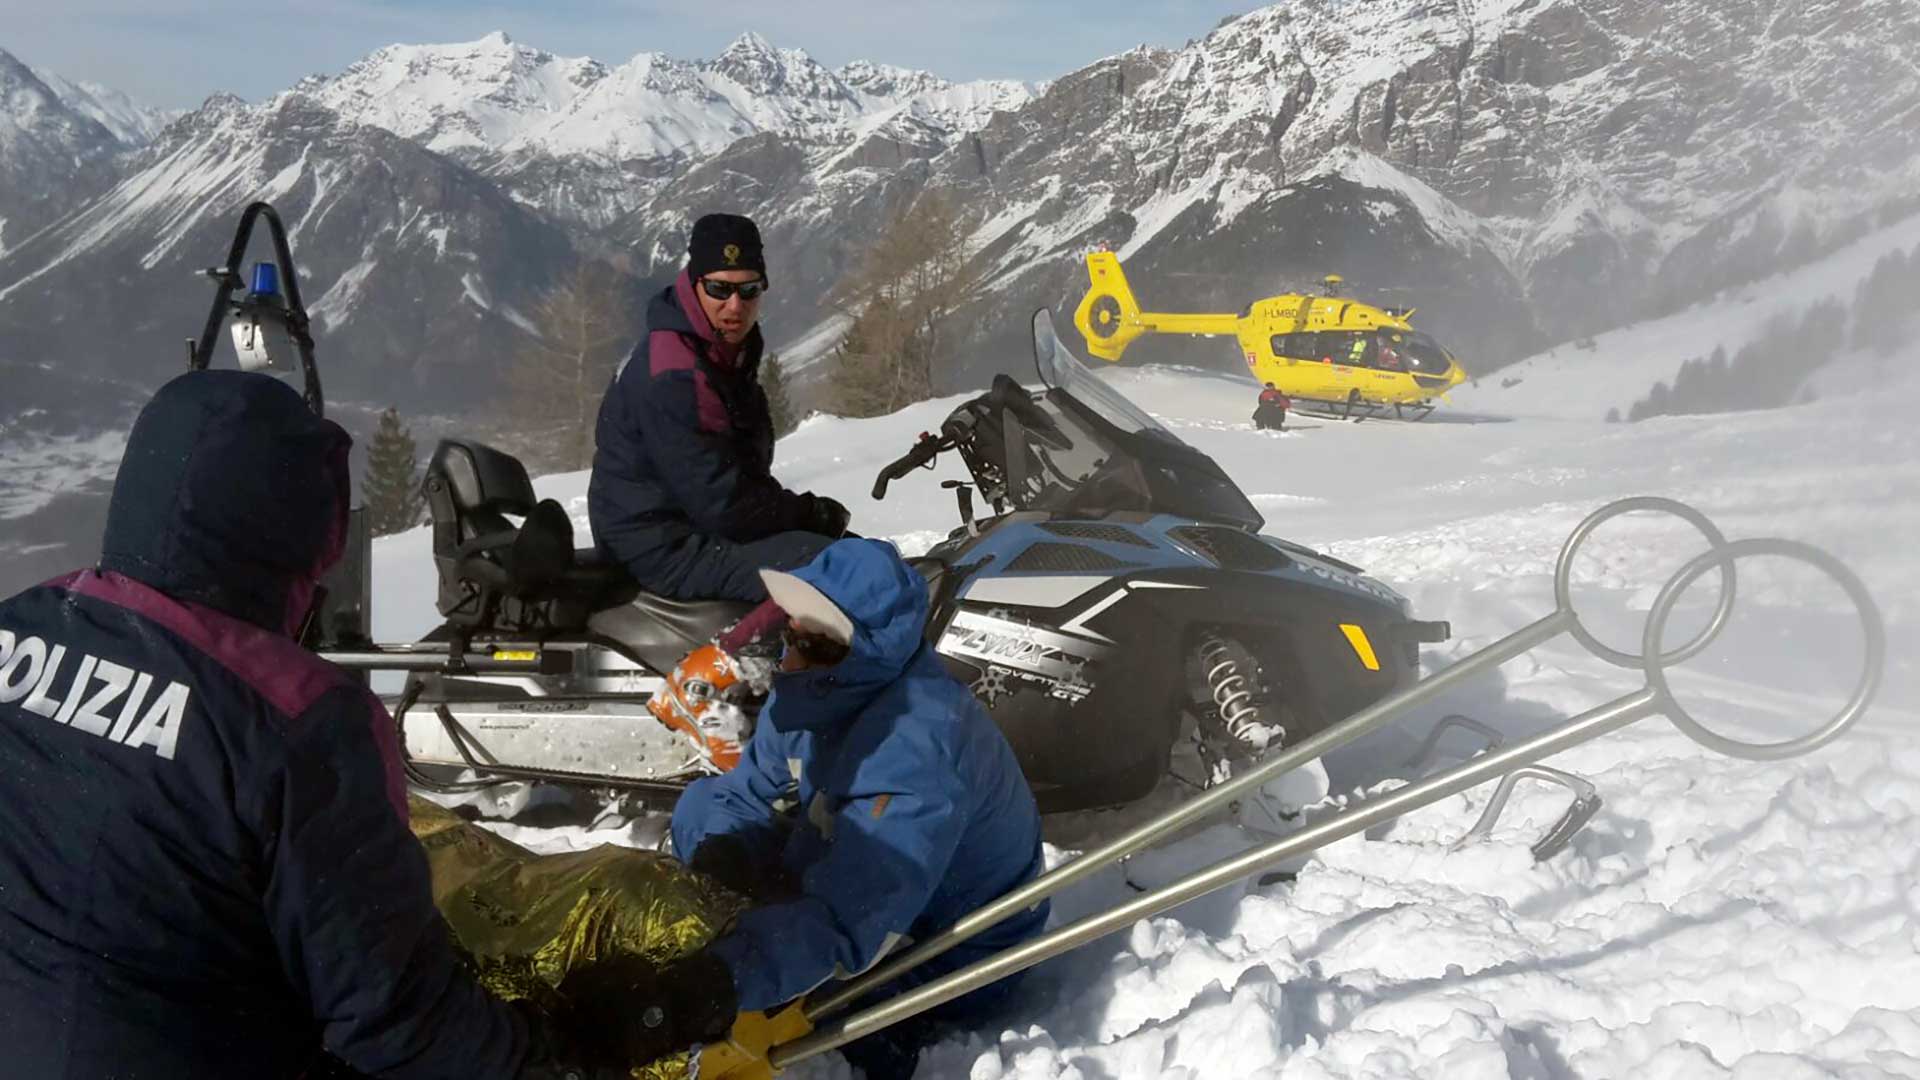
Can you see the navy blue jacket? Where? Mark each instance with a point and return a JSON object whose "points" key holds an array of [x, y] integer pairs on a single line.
{"points": [[915, 810], [683, 448], [205, 869]]}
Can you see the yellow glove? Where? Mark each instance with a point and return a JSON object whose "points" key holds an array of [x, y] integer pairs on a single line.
{"points": [[744, 1055]]}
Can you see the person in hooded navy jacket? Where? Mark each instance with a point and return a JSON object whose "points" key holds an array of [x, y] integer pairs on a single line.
{"points": [[682, 493], [912, 810], [205, 868]]}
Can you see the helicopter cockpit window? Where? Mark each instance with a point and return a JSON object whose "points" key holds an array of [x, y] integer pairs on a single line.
{"points": [[1423, 354]]}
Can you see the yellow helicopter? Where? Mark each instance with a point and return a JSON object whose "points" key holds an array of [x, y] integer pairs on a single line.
{"points": [[1329, 352]]}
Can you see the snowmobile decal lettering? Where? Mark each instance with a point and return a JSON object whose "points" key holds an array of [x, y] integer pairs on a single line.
{"points": [[1352, 581], [1017, 645], [29, 669], [1023, 651]]}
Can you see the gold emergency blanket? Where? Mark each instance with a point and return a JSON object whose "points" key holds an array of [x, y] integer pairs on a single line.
{"points": [[525, 920]]}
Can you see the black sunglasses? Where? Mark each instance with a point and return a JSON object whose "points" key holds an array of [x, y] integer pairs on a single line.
{"points": [[815, 648], [724, 290]]}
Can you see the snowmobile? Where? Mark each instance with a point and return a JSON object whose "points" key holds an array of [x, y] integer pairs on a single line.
{"points": [[1334, 355], [1118, 598]]}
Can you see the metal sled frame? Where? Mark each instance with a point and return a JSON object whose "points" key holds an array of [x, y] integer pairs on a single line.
{"points": [[488, 772], [1511, 762], [228, 279]]}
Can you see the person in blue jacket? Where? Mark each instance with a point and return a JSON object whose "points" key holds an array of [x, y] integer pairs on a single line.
{"points": [[682, 492], [911, 810], [205, 865]]}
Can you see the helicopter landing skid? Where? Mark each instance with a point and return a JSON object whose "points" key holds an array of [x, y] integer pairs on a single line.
{"points": [[1358, 409]]}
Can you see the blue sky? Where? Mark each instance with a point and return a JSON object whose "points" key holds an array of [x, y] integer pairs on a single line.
{"points": [[172, 53]]}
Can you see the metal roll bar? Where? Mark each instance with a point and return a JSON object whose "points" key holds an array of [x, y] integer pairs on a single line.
{"points": [[228, 280], [1654, 697]]}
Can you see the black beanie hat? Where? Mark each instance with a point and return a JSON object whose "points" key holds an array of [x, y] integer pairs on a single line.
{"points": [[724, 242]]}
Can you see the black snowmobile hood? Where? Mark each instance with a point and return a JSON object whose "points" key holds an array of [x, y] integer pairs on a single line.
{"points": [[232, 494]]}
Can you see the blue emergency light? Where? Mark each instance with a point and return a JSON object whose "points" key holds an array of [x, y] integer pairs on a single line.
{"points": [[266, 279]]}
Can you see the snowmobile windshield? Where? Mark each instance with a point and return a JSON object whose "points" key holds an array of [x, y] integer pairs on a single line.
{"points": [[1097, 452], [1063, 371]]}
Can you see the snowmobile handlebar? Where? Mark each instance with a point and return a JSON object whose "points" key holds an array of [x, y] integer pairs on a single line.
{"points": [[1653, 697], [924, 450]]}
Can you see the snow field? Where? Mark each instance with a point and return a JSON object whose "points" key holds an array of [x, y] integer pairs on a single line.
{"points": [[1717, 918]]}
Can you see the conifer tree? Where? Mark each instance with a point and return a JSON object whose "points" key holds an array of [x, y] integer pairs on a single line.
{"points": [[391, 485], [901, 296]]}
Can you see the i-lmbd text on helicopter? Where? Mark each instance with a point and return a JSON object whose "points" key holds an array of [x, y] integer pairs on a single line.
{"points": [[1330, 353]]}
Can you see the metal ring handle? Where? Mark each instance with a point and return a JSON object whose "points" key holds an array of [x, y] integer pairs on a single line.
{"points": [[1863, 691], [1563, 579]]}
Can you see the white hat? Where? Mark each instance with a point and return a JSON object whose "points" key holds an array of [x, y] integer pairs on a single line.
{"points": [[808, 607]]}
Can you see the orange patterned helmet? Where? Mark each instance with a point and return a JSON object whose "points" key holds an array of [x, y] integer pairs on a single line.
{"points": [[704, 700]]}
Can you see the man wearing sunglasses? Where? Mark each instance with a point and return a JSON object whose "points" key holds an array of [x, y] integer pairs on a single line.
{"points": [[909, 808], [682, 492]]}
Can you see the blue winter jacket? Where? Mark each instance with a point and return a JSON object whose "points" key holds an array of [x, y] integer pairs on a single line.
{"points": [[205, 868], [683, 451], [913, 811]]}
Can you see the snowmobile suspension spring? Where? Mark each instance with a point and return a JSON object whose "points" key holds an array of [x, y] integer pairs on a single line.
{"points": [[1232, 690]]}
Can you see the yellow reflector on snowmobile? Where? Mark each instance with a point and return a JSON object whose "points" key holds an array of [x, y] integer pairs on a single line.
{"points": [[515, 654], [1362, 648]]}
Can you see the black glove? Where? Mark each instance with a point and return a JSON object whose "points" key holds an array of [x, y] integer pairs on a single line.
{"points": [[551, 1056], [727, 860], [625, 1011], [828, 517], [730, 861]]}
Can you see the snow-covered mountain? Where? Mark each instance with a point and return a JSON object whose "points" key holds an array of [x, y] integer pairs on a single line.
{"points": [[54, 153], [585, 141], [127, 120], [415, 268]]}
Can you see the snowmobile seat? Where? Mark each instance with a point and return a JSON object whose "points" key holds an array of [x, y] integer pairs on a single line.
{"points": [[658, 631], [498, 576]]}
